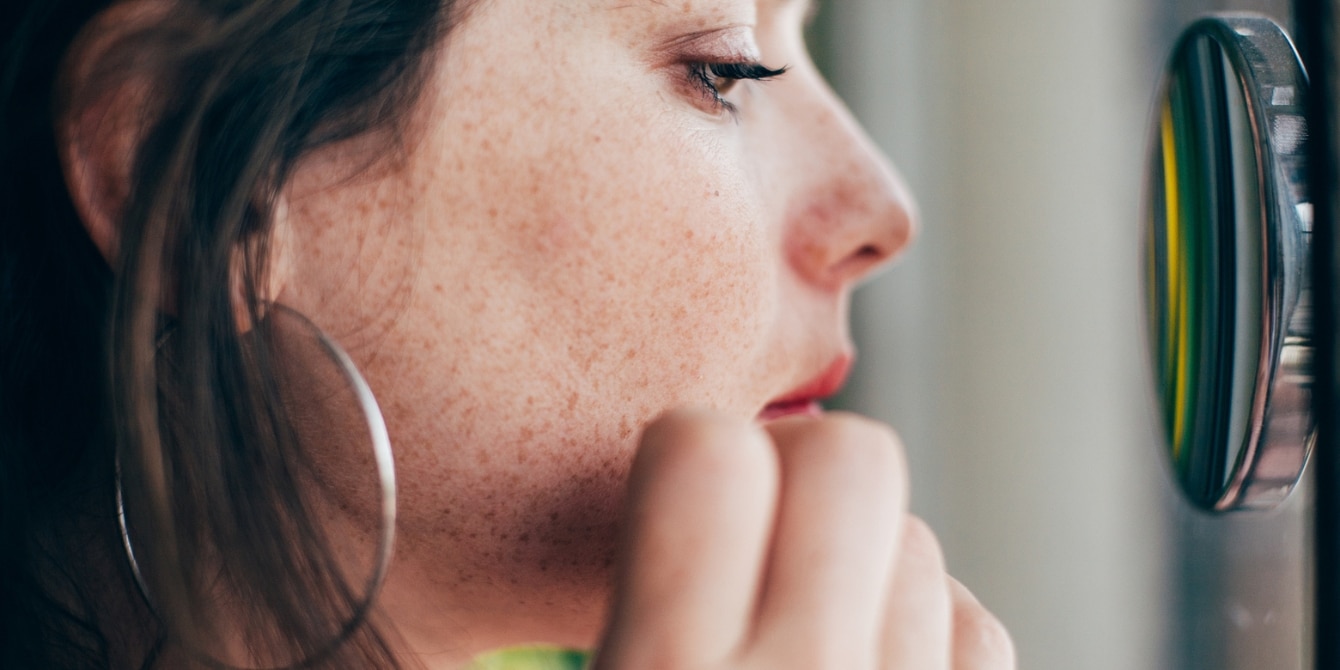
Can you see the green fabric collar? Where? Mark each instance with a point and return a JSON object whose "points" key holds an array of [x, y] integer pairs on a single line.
{"points": [[532, 658]]}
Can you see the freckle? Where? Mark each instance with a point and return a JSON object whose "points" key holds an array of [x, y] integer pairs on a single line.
{"points": [[553, 516], [493, 212], [525, 538], [597, 139], [716, 193]]}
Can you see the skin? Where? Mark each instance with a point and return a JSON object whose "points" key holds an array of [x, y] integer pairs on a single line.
{"points": [[575, 245], [578, 240]]}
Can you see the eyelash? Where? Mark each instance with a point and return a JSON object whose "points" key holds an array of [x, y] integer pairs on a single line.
{"points": [[708, 77]]}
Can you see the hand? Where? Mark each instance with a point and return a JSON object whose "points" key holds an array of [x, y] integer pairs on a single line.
{"points": [[785, 547]]}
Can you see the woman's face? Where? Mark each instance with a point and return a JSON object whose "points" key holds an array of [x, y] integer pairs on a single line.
{"points": [[577, 237]]}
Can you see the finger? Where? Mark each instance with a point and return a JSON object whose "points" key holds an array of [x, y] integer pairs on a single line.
{"points": [[919, 610], [838, 523], [981, 641], [701, 499]]}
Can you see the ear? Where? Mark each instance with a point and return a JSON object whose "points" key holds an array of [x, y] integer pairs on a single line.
{"points": [[103, 104]]}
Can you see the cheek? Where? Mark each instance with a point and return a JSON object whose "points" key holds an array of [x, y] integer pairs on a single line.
{"points": [[625, 249], [579, 271], [573, 306], [664, 260]]}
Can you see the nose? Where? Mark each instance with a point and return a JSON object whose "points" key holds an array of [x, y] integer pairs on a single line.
{"points": [[849, 212]]}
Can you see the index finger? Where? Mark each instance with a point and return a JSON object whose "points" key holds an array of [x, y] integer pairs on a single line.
{"points": [[701, 498]]}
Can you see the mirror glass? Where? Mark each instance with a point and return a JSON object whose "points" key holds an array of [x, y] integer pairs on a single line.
{"points": [[1226, 272]]}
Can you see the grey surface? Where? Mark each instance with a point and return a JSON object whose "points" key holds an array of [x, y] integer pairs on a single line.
{"points": [[1240, 582], [1007, 348]]}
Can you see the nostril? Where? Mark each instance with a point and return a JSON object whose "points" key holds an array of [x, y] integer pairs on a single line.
{"points": [[856, 265], [867, 257], [869, 251]]}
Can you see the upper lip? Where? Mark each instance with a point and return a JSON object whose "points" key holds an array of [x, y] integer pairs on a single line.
{"points": [[821, 386]]}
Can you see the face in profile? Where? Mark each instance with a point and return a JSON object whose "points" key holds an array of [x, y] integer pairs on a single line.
{"points": [[605, 209]]}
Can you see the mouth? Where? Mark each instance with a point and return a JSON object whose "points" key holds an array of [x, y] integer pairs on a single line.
{"points": [[805, 399]]}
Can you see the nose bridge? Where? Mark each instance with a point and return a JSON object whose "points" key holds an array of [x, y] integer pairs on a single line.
{"points": [[851, 212]]}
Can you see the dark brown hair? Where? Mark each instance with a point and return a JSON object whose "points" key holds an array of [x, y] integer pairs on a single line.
{"points": [[242, 90]]}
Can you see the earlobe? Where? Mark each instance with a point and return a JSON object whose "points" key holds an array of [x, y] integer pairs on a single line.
{"points": [[276, 275]]}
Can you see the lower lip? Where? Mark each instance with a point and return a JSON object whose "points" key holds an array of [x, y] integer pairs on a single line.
{"points": [[782, 410]]}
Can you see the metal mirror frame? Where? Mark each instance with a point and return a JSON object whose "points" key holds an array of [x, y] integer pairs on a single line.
{"points": [[1281, 425]]}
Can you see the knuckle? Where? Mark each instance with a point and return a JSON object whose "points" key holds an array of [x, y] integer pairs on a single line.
{"points": [[665, 657], [819, 656], [920, 540], [861, 448], [681, 425], [705, 440], [857, 428], [981, 638]]}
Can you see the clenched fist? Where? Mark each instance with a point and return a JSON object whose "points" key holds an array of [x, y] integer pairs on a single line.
{"points": [[785, 546]]}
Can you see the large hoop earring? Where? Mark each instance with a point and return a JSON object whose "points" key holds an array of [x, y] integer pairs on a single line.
{"points": [[381, 446]]}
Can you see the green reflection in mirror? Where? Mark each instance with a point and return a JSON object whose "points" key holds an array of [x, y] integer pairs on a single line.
{"points": [[1204, 269], [1225, 261]]}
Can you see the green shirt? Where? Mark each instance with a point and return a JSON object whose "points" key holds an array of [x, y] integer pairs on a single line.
{"points": [[532, 658]]}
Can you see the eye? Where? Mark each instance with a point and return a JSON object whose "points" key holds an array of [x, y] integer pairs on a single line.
{"points": [[717, 79]]}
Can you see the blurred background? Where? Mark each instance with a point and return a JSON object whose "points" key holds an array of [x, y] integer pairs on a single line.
{"points": [[1008, 347]]}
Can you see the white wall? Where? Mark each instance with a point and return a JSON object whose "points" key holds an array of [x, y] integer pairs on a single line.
{"points": [[1007, 348]]}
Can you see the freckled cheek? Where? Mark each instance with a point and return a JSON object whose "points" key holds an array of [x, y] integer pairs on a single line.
{"points": [[678, 260]]}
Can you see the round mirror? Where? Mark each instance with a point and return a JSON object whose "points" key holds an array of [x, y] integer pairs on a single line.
{"points": [[1226, 254]]}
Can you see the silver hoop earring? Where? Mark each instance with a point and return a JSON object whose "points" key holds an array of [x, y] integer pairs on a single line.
{"points": [[381, 446]]}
